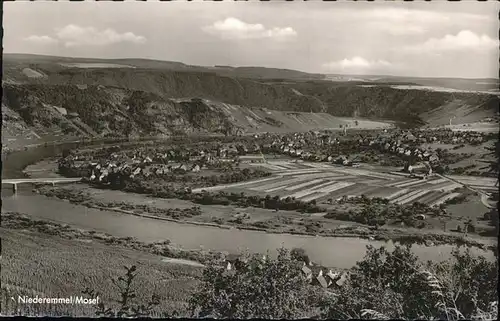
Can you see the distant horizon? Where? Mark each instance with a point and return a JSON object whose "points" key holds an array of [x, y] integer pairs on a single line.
{"points": [[250, 66], [402, 39]]}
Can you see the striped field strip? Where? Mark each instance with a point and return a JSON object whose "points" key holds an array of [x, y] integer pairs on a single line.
{"points": [[219, 187], [317, 187], [484, 187], [287, 165], [276, 184], [318, 165], [311, 165], [335, 187], [280, 185], [351, 171], [347, 177], [341, 177], [298, 172], [339, 191], [313, 190], [286, 186], [431, 197], [326, 186], [486, 181], [303, 176], [376, 191], [414, 197], [488, 189], [412, 184], [300, 194], [379, 193], [277, 167], [369, 181], [358, 189], [388, 175], [400, 181], [439, 186], [444, 199], [384, 176], [278, 188], [268, 166], [451, 187], [313, 197], [405, 196], [296, 187], [369, 191], [399, 174], [322, 192], [438, 181], [396, 194]]}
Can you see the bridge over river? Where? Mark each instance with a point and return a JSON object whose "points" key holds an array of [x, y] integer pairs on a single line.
{"points": [[53, 181]]}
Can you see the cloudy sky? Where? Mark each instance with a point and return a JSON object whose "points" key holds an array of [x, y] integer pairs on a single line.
{"points": [[428, 39]]}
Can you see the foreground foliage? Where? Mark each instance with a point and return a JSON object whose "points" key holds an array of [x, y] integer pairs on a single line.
{"points": [[396, 285], [258, 288], [384, 285]]}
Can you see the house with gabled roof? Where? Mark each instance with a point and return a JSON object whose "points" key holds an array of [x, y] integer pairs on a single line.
{"points": [[320, 280], [307, 272]]}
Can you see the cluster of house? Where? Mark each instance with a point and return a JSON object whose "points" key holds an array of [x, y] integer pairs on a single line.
{"points": [[326, 278], [314, 274], [146, 162], [447, 136], [139, 164], [401, 146], [101, 172], [307, 146], [311, 146]]}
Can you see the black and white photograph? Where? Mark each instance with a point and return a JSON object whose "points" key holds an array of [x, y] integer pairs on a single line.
{"points": [[250, 159]]}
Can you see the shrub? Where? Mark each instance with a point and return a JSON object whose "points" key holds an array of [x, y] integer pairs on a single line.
{"points": [[299, 254], [396, 285], [268, 289]]}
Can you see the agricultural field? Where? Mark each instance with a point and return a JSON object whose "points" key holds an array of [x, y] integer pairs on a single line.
{"points": [[49, 266], [322, 182]]}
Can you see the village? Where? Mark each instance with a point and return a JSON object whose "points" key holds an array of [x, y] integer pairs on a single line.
{"points": [[378, 148], [313, 172]]}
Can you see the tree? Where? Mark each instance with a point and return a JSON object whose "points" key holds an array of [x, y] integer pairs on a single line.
{"points": [[469, 226], [299, 254], [268, 289], [396, 285], [66, 152]]}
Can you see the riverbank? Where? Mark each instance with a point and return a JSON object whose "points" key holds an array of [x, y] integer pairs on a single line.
{"points": [[165, 248], [326, 251], [185, 212]]}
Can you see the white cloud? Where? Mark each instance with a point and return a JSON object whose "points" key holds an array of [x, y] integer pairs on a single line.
{"points": [[403, 29], [464, 40], [407, 15], [356, 65], [73, 35], [232, 28], [403, 21], [41, 40]]}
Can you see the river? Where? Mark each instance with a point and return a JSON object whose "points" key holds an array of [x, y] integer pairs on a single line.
{"points": [[338, 252], [335, 252]]}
